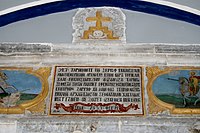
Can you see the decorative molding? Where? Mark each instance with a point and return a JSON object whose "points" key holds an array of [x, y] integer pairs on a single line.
{"points": [[39, 108]]}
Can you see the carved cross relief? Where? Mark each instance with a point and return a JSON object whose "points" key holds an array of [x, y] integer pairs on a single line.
{"points": [[99, 25], [99, 31]]}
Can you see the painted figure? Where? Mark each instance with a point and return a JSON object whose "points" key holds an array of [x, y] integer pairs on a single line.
{"points": [[189, 88], [3, 84], [193, 83], [6, 98]]}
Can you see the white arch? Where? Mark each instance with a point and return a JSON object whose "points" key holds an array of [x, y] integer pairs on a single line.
{"points": [[23, 6], [174, 5], [160, 2]]}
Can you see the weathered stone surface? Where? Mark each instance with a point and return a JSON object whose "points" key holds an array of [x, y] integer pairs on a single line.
{"points": [[101, 48], [37, 55], [129, 54], [7, 126], [111, 125], [26, 48], [159, 125], [181, 48], [68, 125]]}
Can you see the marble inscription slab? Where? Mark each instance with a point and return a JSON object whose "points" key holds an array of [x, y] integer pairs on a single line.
{"points": [[94, 90]]}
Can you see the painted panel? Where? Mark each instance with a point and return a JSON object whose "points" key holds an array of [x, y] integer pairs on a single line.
{"points": [[175, 89], [22, 88]]}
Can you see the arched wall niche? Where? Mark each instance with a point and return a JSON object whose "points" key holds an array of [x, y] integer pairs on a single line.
{"points": [[144, 17], [159, 22]]}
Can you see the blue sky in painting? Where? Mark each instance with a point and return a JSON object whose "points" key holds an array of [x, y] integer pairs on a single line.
{"points": [[162, 85], [23, 81]]}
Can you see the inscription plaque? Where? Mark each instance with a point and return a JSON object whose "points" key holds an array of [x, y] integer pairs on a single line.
{"points": [[105, 90]]}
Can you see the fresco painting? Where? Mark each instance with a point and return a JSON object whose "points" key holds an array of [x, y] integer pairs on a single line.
{"points": [[17, 87], [179, 88]]}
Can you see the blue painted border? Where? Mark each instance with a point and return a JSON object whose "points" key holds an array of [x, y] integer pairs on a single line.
{"points": [[134, 5]]}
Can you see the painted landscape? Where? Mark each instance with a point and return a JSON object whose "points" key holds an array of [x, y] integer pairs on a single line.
{"points": [[17, 87], [180, 88], [26, 97], [177, 100]]}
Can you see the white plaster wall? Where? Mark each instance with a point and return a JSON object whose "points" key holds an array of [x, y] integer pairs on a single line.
{"points": [[10, 3], [190, 3], [4, 4]]}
